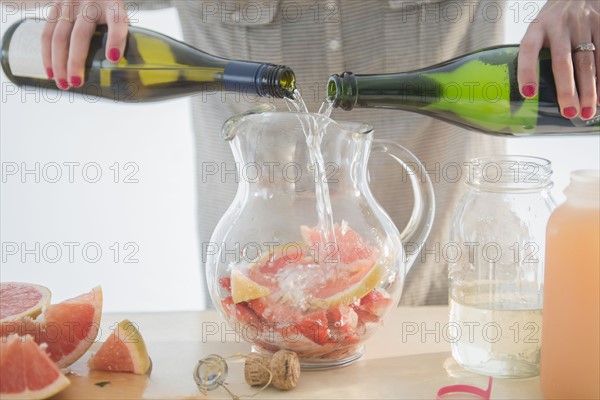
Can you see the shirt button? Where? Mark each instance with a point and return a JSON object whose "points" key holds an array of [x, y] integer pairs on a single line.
{"points": [[334, 45]]}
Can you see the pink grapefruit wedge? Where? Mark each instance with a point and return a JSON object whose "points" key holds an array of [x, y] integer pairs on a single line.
{"points": [[26, 371], [348, 243], [68, 329], [123, 351], [20, 300]]}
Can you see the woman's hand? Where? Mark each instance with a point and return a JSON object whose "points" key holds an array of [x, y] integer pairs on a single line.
{"points": [[68, 32], [562, 26]]}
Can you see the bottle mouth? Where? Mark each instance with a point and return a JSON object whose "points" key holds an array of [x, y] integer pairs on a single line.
{"points": [[509, 172], [585, 186], [332, 90], [278, 81], [342, 91]]}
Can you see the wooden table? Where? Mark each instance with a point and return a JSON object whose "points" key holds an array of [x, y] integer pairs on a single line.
{"points": [[407, 358]]}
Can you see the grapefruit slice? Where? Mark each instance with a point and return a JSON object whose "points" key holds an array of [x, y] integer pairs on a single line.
{"points": [[265, 270], [26, 371], [349, 244], [68, 328], [123, 351], [339, 293], [245, 289], [355, 275], [19, 300], [376, 303], [314, 327]]}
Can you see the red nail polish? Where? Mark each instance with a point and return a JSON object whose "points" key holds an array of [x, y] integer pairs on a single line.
{"points": [[114, 54], [62, 84], [570, 112], [529, 90], [586, 113], [50, 73], [75, 81]]}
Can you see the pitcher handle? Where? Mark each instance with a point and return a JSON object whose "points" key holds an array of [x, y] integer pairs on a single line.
{"points": [[418, 227]]}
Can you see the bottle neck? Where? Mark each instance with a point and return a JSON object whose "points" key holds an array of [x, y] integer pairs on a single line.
{"points": [[408, 91], [276, 81], [584, 189], [262, 79]]}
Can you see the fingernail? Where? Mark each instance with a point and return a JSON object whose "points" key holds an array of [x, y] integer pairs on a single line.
{"points": [[62, 84], [529, 90], [114, 54], [50, 73], [586, 113], [570, 112], [75, 81]]}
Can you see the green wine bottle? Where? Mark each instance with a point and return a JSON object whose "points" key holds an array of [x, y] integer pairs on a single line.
{"points": [[153, 67], [477, 91]]}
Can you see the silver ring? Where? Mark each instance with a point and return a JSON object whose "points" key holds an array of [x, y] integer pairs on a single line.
{"points": [[584, 47]]}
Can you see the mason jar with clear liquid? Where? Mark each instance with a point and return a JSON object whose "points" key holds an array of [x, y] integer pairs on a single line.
{"points": [[496, 271]]}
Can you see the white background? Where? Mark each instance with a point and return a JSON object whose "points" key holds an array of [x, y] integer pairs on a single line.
{"points": [[154, 216]]}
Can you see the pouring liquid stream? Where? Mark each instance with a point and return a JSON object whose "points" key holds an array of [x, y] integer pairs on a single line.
{"points": [[314, 131]]}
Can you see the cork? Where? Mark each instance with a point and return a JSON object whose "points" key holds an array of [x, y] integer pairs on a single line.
{"points": [[256, 369], [285, 367]]}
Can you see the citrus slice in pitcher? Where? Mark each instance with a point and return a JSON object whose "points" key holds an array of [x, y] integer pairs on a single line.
{"points": [[245, 289], [349, 245], [264, 271], [354, 276], [365, 276]]}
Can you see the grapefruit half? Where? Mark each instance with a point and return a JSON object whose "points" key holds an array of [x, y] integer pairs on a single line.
{"points": [[26, 371], [68, 329], [19, 300]]}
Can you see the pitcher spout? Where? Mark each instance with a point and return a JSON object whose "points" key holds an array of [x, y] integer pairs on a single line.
{"points": [[230, 126]]}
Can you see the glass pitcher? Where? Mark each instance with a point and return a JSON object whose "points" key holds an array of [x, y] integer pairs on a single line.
{"points": [[282, 279]]}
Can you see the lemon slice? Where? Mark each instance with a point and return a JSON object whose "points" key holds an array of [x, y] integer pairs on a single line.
{"points": [[354, 292], [245, 289]]}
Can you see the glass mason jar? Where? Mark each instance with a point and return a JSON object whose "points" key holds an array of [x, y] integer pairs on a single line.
{"points": [[496, 273]]}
